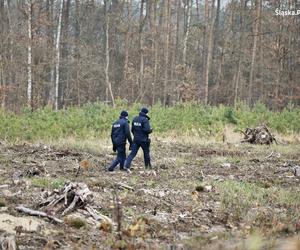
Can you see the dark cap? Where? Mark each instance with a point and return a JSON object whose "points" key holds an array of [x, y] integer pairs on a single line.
{"points": [[144, 110], [124, 113]]}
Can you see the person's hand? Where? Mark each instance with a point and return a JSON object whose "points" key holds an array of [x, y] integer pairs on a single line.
{"points": [[114, 148]]}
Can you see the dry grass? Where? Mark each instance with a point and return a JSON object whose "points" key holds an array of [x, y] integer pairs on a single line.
{"points": [[246, 196]]}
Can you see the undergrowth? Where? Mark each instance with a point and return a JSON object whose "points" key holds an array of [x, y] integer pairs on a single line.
{"points": [[94, 120]]}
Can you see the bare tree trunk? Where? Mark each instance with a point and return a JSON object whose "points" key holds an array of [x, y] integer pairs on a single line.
{"points": [[5, 33], [186, 36], [204, 38], [255, 39], [219, 73], [176, 53], [225, 38], [129, 4], [2, 82], [198, 21], [50, 48], [29, 55], [11, 44], [2, 34], [64, 56], [240, 51], [51, 92], [155, 49], [167, 25], [279, 63], [108, 83], [209, 53], [178, 10], [216, 28], [236, 82], [77, 53], [141, 71], [57, 48], [141, 53]]}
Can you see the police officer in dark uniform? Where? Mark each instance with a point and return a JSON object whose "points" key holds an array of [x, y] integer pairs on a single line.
{"points": [[141, 130], [120, 132]]}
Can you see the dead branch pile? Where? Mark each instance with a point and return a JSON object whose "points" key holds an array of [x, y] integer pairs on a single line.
{"points": [[61, 202], [72, 196], [258, 135]]}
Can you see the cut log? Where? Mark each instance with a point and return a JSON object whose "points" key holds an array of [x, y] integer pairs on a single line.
{"points": [[37, 213]]}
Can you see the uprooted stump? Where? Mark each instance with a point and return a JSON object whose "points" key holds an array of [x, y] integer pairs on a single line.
{"points": [[258, 135]]}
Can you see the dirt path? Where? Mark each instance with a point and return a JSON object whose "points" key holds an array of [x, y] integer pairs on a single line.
{"points": [[196, 197]]}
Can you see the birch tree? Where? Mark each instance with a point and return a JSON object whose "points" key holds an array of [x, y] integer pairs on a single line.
{"points": [[29, 54], [186, 36], [2, 76], [74, 52], [57, 49], [155, 49], [167, 41], [107, 50]]}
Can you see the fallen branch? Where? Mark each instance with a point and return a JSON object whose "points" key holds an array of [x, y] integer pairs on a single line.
{"points": [[96, 215], [282, 170], [124, 186], [242, 132], [118, 211], [78, 168], [270, 155], [37, 213]]}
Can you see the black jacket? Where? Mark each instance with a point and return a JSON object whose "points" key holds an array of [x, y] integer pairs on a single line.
{"points": [[141, 128], [120, 132]]}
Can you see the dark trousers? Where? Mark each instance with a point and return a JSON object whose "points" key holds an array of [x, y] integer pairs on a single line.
{"points": [[134, 150], [121, 156]]}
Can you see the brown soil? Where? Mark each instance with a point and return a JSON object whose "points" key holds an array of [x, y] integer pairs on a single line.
{"points": [[164, 211]]}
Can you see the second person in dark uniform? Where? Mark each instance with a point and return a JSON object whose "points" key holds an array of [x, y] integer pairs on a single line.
{"points": [[120, 132], [141, 130]]}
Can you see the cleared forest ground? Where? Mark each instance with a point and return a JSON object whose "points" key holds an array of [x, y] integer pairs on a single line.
{"points": [[197, 196]]}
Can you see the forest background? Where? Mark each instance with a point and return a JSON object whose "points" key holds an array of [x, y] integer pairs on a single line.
{"points": [[66, 53]]}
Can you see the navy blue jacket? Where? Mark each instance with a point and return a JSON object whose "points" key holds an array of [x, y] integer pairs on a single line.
{"points": [[120, 132], [141, 128]]}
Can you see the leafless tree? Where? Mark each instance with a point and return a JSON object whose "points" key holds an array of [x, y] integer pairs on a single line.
{"points": [[210, 51]]}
